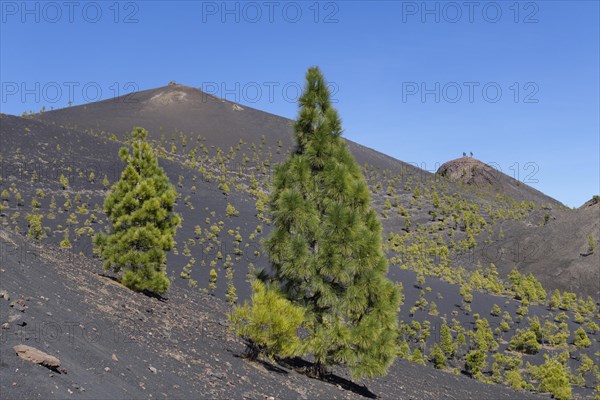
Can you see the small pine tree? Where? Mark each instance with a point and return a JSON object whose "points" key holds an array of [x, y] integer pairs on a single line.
{"points": [[591, 244], [484, 337], [553, 377], [269, 325], [466, 293], [140, 209], [475, 362], [212, 282], [433, 309], [495, 310], [417, 357], [224, 188], [525, 341], [581, 339], [260, 205], [503, 327], [513, 379], [446, 340], [64, 182], [555, 301], [438, 357], [230, 211], [65, 243], [404, 350], [231, 294], [35, 226]]}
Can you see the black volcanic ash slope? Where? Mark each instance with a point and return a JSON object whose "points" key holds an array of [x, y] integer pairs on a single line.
{"points": [[114, 343], [184, 120], [34, 154]]}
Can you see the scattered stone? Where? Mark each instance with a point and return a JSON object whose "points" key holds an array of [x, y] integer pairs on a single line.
{"points": [[114, 357], [19, 305], [217, 375], [106, 369], [14, 317], [49, 314], [152, 369], [4, 295], [75, 386], [6, 325], [36, 356]]}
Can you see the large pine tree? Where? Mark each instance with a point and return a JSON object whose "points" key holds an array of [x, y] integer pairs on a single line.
{"points": [[325, 247], [140, 209]]}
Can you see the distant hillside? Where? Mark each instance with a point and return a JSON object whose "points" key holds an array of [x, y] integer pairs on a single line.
{"points": [[439, 226], [173, 109], [559, 248], [477, 174], [184, 121]]}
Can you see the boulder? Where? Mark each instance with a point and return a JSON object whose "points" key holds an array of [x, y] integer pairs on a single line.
{"points": [[36, 356]]}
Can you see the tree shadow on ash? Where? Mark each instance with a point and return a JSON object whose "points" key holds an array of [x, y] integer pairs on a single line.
{"points": [[267, 365], [304, 367], [144, 292]]}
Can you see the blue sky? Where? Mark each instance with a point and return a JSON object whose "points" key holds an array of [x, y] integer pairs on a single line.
{"points": [[515, 83]]}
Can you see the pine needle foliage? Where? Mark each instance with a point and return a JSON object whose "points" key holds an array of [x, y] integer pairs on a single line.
{"points": [[326, 248], [140, 210], [269, 325]]}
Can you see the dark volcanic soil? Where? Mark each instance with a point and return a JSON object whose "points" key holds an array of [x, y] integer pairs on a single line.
{"points": [[114, 343], [171, 112], [184, 338]]}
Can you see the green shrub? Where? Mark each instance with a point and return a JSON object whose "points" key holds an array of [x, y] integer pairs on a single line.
{"points": [[525, 341], [212, 282], [36, 231], [230, 211], [64, 182], [269, 325], [438, 357], [552, 377], [417, 357], [495, 310], [513, 379], [581, 339], [475, 362], [484, 337], [65, 243], [591, 244]]}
